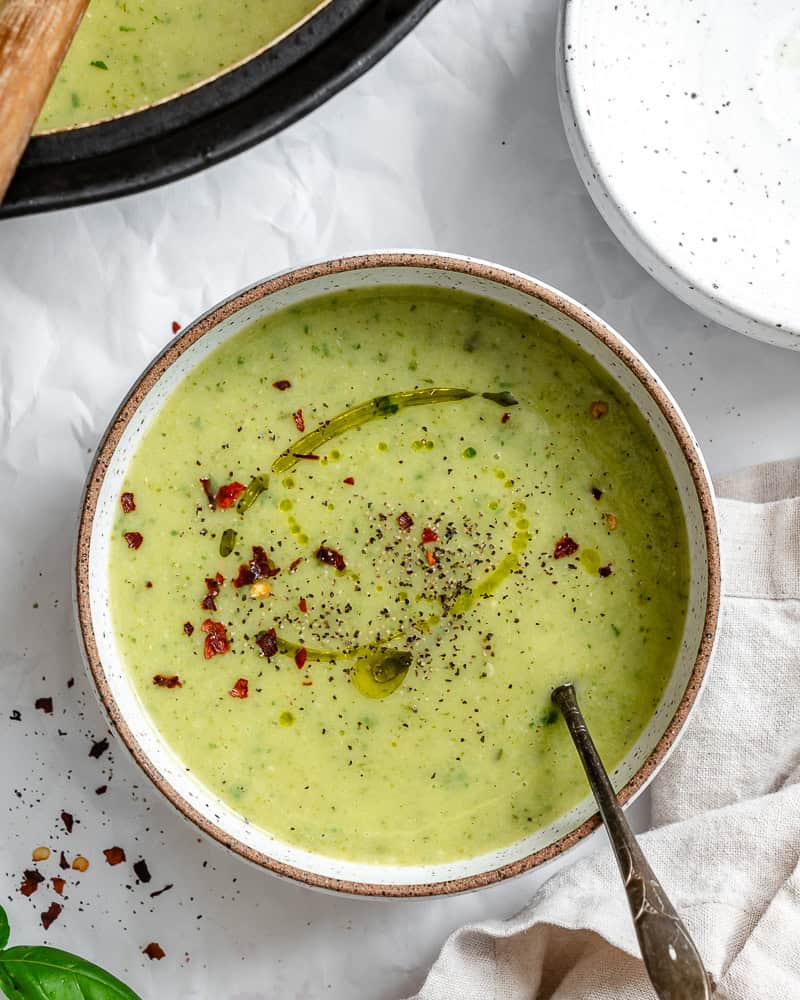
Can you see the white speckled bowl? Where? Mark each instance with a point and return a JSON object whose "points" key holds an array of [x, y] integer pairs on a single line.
{"points": [[684, 121], [102, 497]]}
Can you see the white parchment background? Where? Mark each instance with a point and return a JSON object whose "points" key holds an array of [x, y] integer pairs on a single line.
{"points": [[453, 142]]}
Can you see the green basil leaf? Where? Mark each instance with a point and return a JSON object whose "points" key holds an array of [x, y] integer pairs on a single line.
{"points": [[5, 930], [39, 973]]}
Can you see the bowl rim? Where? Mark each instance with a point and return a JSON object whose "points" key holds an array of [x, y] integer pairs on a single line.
{"points": [[472, 267]]}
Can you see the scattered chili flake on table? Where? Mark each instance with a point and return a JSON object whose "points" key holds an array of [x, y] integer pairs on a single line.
{"points": [[50, 914], [239, 689], [133, 538], [209, 492], [31, 881], [188, 628], [260, 567], [429, 535], [229, 493], [300, 657], [293, 565], [605, 570], [114, 855], [217, 641], [58, 884], [68, 821], [303, 605], [505, 418], [41, 854], [596, 492], [154, 951], [331, 557], [99, 748], [282, 384], [63, 864], [127, 502], [565, 546], [350, 481], [267, 642], [45, 705], [80, 864], [160, 680], [299, 423], [406, 521], [142, 871], [598, 409], [175, 326]]}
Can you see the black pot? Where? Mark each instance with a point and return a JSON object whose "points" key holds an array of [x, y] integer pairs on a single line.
{"points": [[216, 120]]}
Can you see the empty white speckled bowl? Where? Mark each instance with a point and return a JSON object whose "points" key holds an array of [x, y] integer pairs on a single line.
{"points": [[101, 500], [684, 121]]}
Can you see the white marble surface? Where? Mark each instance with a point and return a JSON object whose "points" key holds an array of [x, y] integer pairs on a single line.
{"points": [[453, 142]]}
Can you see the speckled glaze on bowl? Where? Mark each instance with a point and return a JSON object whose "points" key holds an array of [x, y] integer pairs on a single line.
{"points": [[104, 661]]}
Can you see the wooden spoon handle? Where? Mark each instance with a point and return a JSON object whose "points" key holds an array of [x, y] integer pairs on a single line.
{"points": [[34, 38]]}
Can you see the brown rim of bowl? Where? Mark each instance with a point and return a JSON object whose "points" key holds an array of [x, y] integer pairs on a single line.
{"points": [[473, 268]]}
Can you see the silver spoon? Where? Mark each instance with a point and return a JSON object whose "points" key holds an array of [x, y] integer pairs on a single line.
{"points": [[670, 956]]}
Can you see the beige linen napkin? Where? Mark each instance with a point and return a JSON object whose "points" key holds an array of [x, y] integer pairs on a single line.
{"points": [[726, 806]]}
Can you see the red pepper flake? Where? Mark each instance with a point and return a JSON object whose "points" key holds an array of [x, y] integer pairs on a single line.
{"points": [[188, 628], [213, 583], [133, 538], [307, 684], [142, 871], [99, 748], [239, 689], [429, 555], [331, 557], [31, 881], [58, 884], [429, 535], [505, 418], [260, 567], [50, 914], [63, 864], [228, 494], [160, 680], [45, 705], [209, 492], [406, 521], [175, 326], [127, 502], [596, 492], [68, 821], [282, 384], [350, 481], [114, 855], [300, 657], [154, 951], [565, 546], [310, 458], [293, 565], [299, 423], [267, 642], [605, 571], [217, 641], [303, 605], [598, 409]]}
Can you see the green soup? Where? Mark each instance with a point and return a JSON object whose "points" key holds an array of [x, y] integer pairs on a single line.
{"points": [[128, 54], [406, 586]]}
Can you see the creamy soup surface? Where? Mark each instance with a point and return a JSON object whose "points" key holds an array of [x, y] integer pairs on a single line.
{"points": [[130, 53], [352, 637]]}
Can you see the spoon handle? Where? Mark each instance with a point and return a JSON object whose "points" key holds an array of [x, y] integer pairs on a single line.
{"points": [[670, 956]]}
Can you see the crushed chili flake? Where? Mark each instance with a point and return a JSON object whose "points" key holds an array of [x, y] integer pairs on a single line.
{"points": [[31, 881], [188, 628], [58, 884], [101, 790], [213, 583], [162, 681], [63, 864], [300, 657], [127, 502], [114, 855], [299, 423], [596, 492], [303, 605], [80, 864], [598, 409], [50, 914], [611, 521], [282, 384], [45, 705], [217, 641], [142, 871], [565, 546], [431, 558], [41, 854], [175, 326], [605, 570], [239, 689], [330, 557], [505, 418], [293, 565], [154, 951], [229, 493], [260, 567], [99, 748], [68, 821], [350, 481], [267, 642], [209, 492], [406, 521], [308, 457], [429, 535], [133, 538]]}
